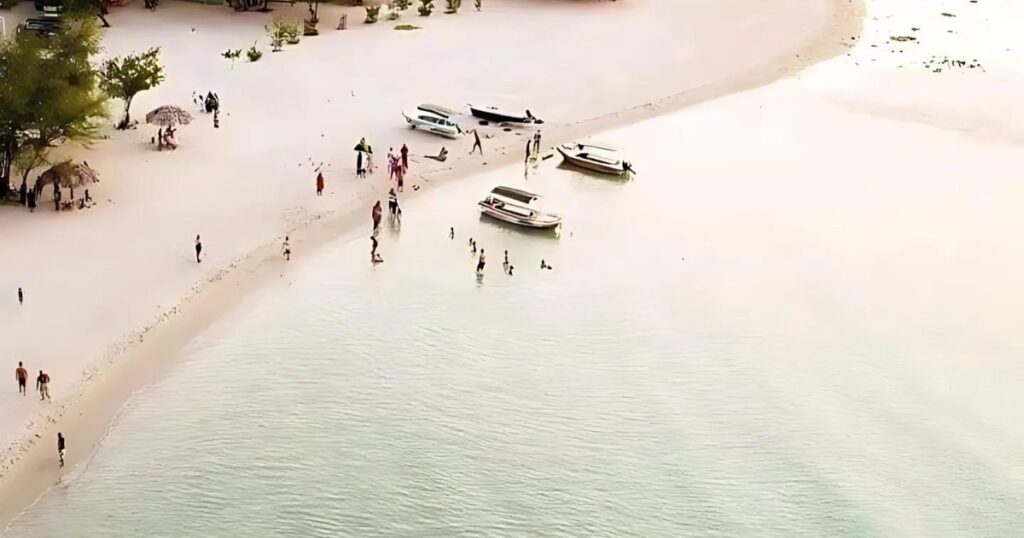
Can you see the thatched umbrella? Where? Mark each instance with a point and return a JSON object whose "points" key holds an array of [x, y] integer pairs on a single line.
{"points": [[69, 175], [168, 115]]}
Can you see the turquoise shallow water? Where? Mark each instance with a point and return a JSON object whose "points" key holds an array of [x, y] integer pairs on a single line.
{"points": [[718, 359]]}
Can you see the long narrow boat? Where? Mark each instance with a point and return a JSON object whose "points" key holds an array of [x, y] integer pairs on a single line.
{"points": [[595, 158], [517, 206], [498, 115]]}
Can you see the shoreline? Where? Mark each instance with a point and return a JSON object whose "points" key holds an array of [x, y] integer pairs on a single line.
{"points": [[141, 357]]}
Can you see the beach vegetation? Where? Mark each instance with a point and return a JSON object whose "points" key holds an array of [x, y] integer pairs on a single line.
{"points": [[254, 54], [406, 27], [87, 8], [232, 55], [393, 13], [124, 77], [49, 94], [372, 14], [280, 31], [426, 7]]}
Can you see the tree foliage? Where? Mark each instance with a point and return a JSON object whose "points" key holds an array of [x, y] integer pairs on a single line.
{"points": [[124, 77], [48, 94]]}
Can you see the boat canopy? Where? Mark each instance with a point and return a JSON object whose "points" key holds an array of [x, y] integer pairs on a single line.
{"points": [[515, 194]]}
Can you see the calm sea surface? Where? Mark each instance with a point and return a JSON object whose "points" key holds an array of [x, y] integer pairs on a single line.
{"points": [[761, 354]]}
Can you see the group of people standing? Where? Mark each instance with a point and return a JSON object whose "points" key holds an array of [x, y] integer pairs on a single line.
{"points": [[398, 165]]}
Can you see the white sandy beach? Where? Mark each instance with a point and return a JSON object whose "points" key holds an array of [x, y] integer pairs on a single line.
{"points": [[97, 281], [94, 286]]}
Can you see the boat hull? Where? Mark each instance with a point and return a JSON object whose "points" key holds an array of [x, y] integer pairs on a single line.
{"points": [[590, 165], [500, 117], [431, 128], [518, 220]]}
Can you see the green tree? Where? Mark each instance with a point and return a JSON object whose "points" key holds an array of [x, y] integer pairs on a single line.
{"points": [[48, 95], [123, 78]]}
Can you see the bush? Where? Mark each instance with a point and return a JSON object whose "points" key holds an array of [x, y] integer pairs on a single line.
{"points": [[232, 55], [372, 13], [253, 53]]}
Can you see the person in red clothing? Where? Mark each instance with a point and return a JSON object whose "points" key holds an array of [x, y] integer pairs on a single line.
{"points": [[319, 183]]}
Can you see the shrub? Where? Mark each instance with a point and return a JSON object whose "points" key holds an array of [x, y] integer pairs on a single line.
{"points": [[372, 13], [232, 55], [253, 53]]}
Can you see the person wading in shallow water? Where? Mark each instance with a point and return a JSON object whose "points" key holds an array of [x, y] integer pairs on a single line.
{"points": [[480, 264], [199, 249], [286, 249]]}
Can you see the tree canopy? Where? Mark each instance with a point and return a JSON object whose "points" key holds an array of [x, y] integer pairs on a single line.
{"points": [[124, 77], [48, 94]]}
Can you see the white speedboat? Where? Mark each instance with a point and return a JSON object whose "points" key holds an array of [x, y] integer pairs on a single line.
{"points": [[432, 122], [595, 158], [517, 207]]}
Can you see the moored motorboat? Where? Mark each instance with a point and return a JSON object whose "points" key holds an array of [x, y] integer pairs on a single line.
{"points": [[519, 207], [595, 158], [444, 112], [498, 115]]}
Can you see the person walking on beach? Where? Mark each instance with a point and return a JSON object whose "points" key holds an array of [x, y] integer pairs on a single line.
{"points": [[392, 161], [286, 249], [529, 144], [61, 447], [480, 264], [536, 142], [375, 258], [476, 143], [401, 176], [376, 214], [319, 183], [43, 385], [405, 158], [21, 374], [21, 296], [199, 249], [392, 202], [505, 263], [359, 165], [451, 233]]}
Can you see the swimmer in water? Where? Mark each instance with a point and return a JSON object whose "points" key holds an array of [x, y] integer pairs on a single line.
{"points": [[483, 261], [473, 248], [451, 233], [510, 268], [544, 265]]}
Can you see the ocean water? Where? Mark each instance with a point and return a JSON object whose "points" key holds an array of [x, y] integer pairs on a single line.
{"points": [[725, 347]]}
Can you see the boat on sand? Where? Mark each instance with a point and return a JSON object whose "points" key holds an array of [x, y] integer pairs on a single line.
{"points": [[518, 207], [432, 122], [498, 115], [595, 158]]}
